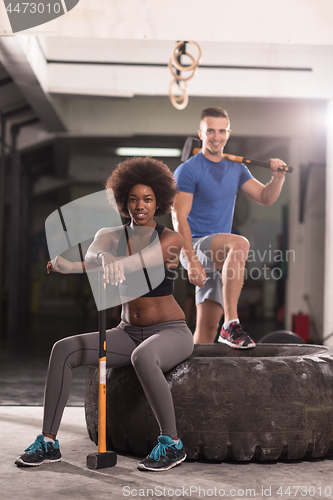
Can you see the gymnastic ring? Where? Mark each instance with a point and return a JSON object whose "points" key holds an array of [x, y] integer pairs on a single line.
{"points": [[179, 102], [178, 66], [182, 87], [178, 105], [179, 77]]}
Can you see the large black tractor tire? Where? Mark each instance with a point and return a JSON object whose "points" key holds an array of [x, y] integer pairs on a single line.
{"points": [[267, 403]]}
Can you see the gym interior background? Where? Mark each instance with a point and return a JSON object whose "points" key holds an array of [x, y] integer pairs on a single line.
{"points": [[72, 91]]}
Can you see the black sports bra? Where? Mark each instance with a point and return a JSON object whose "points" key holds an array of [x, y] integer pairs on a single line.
{"points": [[166, 287]]}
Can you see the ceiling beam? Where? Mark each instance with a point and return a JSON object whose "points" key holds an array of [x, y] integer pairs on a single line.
{"points": [[15, 61], [255, 21]]}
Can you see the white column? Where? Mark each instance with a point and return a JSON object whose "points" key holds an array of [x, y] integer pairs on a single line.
{"points": [[296, 262], [328, 281]]}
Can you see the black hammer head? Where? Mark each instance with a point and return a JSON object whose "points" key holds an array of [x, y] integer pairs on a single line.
{"points": [[101, 460], [190, 145]]}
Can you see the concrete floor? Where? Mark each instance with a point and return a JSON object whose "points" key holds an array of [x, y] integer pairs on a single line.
{"points": [[70, 478], [22, 378]]}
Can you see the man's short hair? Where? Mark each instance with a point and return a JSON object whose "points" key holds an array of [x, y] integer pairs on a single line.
{"points": [[215, 112]]}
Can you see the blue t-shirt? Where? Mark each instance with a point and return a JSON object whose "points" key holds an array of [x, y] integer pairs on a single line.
{"points": [[214, 186]]}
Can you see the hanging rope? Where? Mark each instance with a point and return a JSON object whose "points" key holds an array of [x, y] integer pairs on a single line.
{"points": [[178, 86]]}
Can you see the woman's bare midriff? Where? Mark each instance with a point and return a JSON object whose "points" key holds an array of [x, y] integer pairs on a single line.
{"points": [[147, 311]]}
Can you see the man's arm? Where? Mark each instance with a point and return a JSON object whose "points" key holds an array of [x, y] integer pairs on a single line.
{"points": [[180, 212], [269, 193]]}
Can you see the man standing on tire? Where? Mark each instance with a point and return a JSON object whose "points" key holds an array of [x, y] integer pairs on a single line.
{"points": [[203, 213]]}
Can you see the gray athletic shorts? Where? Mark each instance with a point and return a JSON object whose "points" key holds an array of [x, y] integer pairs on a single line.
{"points": [[213, 286]]}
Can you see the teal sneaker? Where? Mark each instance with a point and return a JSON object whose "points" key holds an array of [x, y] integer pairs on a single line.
{"points": [[164, 456], [40, 452]]}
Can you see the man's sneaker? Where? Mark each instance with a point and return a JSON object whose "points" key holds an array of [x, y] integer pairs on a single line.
{"points": [[40, 452], [164, 456], [235, 336]]}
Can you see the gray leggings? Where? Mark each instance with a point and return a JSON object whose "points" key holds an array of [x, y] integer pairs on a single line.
{"points": [[152, 350]]}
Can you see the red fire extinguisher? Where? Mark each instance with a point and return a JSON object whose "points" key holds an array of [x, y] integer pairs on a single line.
{"points": [[301, 326]]}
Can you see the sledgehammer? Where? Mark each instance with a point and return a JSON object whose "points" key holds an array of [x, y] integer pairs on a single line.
{"points": [[192, 146], [103, 458]]}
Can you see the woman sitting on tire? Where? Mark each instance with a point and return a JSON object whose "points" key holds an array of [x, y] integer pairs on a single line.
{"points": [[152, 334]]}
